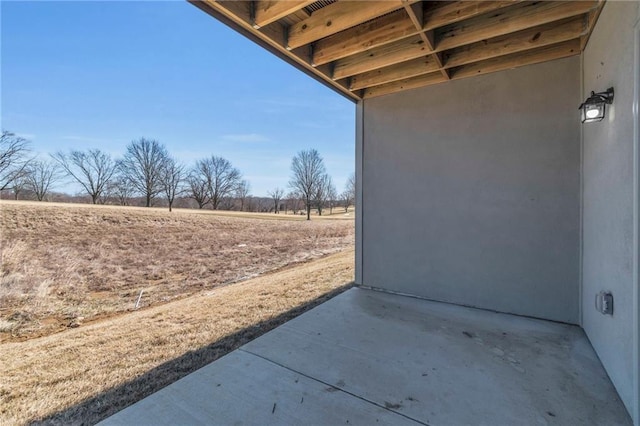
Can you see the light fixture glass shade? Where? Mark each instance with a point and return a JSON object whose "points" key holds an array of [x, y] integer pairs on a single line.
{"points": [[594, 108], [593, 112]]}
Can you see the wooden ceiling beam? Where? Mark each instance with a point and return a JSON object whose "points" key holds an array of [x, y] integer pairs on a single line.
{"points": [[395, 72], [450, 12], [533, 56], [502, 23], [389, 54], [510, 20], [376, 47], [388, 28], [395, 26], [241, 12], [267, 11], [539, 36], [397, 86], [416, 14], [590, 22], [337, 17]]}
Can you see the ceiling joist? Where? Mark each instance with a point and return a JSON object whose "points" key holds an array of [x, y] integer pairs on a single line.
{"points": [[539, 36], [399, 71], [371, 48], [534, 56], [337, 17], [507, 21], [268, 11], [396, 26], [410, 83], [389, 54]]}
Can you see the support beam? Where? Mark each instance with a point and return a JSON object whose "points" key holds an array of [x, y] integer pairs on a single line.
{"points": [[395, 72], [410, 83], [416, 14], [534, 56], [446, 13], [476, 30], [240, 11], [268, 11], [508, 21], [368, 48], [544, 35], [337, 17], [386, 55], [590, 22], [396, 27]]}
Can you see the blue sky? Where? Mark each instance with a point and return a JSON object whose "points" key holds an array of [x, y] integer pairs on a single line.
{"points": [[79, 75]]}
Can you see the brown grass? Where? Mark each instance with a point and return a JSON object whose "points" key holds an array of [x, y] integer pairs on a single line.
{"points": [[83, 375], [64, 265]]}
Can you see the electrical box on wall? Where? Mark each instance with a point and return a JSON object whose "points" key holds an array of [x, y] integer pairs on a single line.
{"points": [[604, 302]]}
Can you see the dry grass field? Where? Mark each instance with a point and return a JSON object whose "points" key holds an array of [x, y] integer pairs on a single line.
{"points": [[85, 374], [66, 265], [74, 350]]}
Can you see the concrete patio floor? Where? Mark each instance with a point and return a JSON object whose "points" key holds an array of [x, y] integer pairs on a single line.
{"points": [[367, 357]]}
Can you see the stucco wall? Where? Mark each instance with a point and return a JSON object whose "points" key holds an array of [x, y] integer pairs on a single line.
{"points": [[608, 194], [471, 191]]}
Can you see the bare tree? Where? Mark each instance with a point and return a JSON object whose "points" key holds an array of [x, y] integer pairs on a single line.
{"points": [[242, 192], [307, 170], [171, 179], [332, 195], [198, 188], [40, 176], [13, 158], [107, 193], [293, 201], [122, 189], [249, 203], [221, 177], [276, 195], [227, 203], [348, 196], [142, 165], [263, 204], [320, 196], [19, 185], [91, 169]]}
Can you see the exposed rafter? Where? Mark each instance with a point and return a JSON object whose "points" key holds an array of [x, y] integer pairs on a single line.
{"points": [[533, 56], [268, 11], [543, 35], [337, 17], [396, 26], [518, 18], [416, 15], [383, 56], [372, 48], [395, 72]]}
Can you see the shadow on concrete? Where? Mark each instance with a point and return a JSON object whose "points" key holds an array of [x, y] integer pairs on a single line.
{"points": [[109, 402]]}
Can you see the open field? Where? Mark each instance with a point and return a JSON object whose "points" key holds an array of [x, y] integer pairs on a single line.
{"points": [[85, 374], [66, 265]]}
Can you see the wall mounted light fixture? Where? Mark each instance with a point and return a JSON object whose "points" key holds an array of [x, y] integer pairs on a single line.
{"points": [[594, 107]]}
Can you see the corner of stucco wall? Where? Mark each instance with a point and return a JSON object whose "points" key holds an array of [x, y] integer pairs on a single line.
{"points": [[359, 184], [609, 216]]}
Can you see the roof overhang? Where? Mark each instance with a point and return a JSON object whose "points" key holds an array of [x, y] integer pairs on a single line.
{"points": [[364, 49]]}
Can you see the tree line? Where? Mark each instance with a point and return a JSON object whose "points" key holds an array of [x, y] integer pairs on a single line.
{"points": [[147, 170]]}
